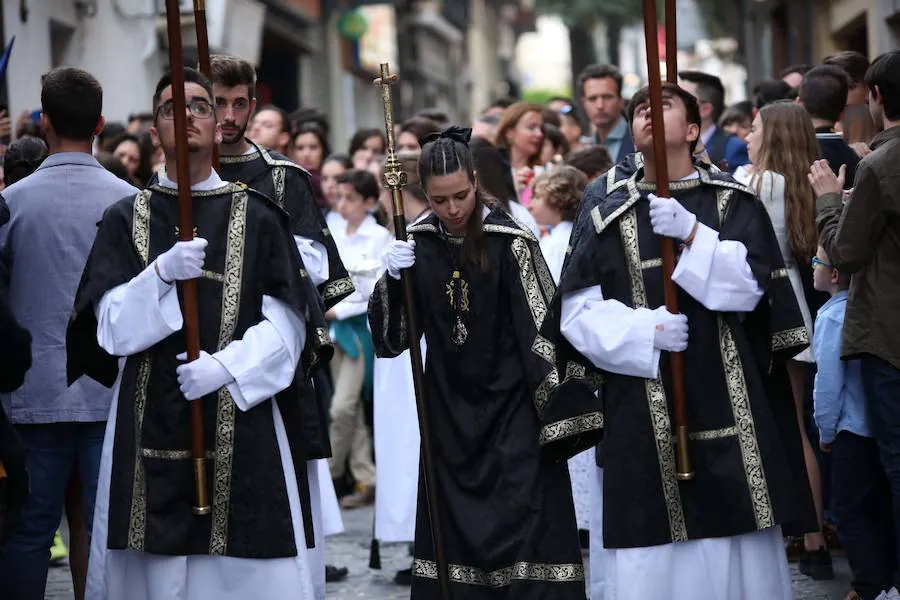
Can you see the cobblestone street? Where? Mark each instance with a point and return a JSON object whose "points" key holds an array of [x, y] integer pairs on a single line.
{"points": [[351, 550]]}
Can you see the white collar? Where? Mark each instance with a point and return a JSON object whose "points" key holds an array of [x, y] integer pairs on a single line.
{"points": [[210, 183]]}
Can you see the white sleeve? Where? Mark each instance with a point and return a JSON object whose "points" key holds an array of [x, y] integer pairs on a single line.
{"points": [[264, 361], [315, 259], [716, 273], [136, 315], [615, 337]]}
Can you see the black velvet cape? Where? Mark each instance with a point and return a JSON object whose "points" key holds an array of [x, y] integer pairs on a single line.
{"points": [[503, 418], [250, 254], [745, 443]]}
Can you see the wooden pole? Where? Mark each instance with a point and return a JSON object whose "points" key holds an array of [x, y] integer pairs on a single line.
{"points": [[394, 180], [676, 359], [203, 55], [671, 17], [186, 234]]}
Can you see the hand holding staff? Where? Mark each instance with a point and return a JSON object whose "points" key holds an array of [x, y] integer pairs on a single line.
{"points": [[394, 180], [683, 466], [186, 234]]}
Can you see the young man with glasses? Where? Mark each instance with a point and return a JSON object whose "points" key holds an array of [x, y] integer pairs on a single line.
{"points": [[259, 317]]}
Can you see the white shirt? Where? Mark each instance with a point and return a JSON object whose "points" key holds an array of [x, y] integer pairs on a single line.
{"points": [[361, 254], [553, 247]]}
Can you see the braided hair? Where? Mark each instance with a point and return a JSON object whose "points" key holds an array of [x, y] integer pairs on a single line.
{"points": [[23, 158], [446, 153]]}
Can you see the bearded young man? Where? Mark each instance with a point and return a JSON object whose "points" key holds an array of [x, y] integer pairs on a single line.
{"points": [[258, 317], [718, 535]]}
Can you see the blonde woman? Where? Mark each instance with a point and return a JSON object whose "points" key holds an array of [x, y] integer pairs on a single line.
{"points": [[782, 144]]}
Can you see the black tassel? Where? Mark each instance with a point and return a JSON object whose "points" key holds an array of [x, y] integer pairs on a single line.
{"points": [[375, 555]]}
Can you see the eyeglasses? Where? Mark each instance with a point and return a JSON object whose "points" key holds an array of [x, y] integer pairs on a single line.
{"points": [[816, 261], [199, 108]]}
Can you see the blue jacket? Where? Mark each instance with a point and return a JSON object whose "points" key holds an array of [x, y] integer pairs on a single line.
{"points": [[53, 221], [838, 394], [727, 151]]}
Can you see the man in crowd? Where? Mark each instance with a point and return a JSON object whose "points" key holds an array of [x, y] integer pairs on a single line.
{"points": [[725, 151], [54, 216], [855, 65], [600, 87], [823, 94], [862, 238], [793, 75], [271, 128], [258, 317]]}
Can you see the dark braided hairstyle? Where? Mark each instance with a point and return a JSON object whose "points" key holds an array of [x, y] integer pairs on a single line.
{"points": [[446, 153]]}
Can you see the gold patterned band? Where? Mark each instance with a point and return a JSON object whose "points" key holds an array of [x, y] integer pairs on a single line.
{"points": [[521, 571]]}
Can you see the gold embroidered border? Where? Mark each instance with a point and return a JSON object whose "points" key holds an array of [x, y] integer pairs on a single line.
{"points": [[651, 263], [790, 338], [213, 276], [170, 454], [529, 282], [572, 426], [723, 201], [779, 273], [713, 434], [231, 297], [521, 571], [337, 288], [278, 177], [656, 393], [522, 232], [240, 158], [137, 525], [140, 226], [746, 430]]}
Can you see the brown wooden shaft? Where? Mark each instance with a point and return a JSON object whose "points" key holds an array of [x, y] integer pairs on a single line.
{"points": [[667, 249], [671, 16], [203, 56], [185, 234]]}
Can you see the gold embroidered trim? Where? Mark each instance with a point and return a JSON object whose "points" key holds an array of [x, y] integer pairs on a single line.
{"points": [[337, 288], [674, 186], [790, 338], [723, 201], [170, 454], [713, 434], [231, 297], [779, 273], [569, 427], [746, 430], [521, 571], [633, 196], [213, 276], [275, 162], [278, 177], [529, 279], [239, 158], [522, 232], [651, 263], [137, 524], [140, 226], [656, 393], [226, 188]]}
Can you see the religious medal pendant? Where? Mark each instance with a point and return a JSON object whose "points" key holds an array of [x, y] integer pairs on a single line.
{"points": [[460, 333]]}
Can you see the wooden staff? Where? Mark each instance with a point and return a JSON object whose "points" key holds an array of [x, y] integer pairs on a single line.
{"points": [[683, 464], [394, 180], [186, 234], [203, 56]]}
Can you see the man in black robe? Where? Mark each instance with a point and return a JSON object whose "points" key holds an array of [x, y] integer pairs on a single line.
{"points": [[258, 317], [739, 321]]}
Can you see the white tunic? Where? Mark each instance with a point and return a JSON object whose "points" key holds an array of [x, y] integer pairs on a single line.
{"points": [[619, 339], [135, 316]]}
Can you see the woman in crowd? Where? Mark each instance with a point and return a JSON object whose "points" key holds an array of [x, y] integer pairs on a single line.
{"points": [[365, 145], [136, 153], [509, 522], [332, 168], [309, 151], [413, 131], [782, 144], [520, 136]]}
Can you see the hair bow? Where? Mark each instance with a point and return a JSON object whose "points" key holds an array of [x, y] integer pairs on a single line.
{"points": [[455, 133]]}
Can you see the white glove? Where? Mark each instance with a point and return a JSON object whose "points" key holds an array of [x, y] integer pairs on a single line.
{"points": [[398, 255], [670, 219], [182, 261], [202, 376], [671, 331]]}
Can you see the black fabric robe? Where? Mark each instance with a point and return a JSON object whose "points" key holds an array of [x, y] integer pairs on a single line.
{"points": [[250, 254], [288, 185], [503, 418], [745, 444]]}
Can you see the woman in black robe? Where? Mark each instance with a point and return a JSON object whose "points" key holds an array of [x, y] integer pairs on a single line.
{"points": [[503, 417]]}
